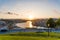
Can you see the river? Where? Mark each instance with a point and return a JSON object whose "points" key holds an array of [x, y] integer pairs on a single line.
{"points": [[27, 24]]}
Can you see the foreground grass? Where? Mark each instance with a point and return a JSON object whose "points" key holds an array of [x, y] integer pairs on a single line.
{"points": [[26, 38], [30, 36]]}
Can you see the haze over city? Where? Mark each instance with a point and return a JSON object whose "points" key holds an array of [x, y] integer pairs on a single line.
{"points": [[26, 8]]}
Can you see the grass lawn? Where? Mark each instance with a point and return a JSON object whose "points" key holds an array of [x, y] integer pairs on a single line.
{"points": [[30, 36], [26, 38]]}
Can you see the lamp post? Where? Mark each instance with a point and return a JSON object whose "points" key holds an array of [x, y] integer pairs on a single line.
{"points": [[48, 29]]}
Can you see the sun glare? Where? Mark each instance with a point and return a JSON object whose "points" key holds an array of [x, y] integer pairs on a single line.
{"points": [[30, 17]]}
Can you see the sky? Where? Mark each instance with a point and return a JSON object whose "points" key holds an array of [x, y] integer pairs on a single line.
{"points": [[25, 8]]}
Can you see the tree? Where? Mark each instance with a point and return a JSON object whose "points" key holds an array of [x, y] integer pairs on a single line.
{"points": [[58, 22], [50, 24]]}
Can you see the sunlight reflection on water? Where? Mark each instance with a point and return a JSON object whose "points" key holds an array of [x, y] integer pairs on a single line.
{"points": [[27, 24]]}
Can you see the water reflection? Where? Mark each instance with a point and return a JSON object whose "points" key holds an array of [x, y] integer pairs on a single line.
{"points": [[27, 24]]}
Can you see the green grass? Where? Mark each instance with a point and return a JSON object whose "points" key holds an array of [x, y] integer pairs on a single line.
{"points": [[26, 38], [30, 36]]}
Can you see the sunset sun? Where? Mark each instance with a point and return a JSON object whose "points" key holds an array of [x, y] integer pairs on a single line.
{"points": [[30, 17]]}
